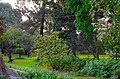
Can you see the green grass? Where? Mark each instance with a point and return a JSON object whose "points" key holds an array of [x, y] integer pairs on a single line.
{"points": [[26, 62], [91, 56], [29, 62]]}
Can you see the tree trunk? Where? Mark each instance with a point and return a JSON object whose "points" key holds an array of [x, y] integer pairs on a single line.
{"points": [[116, 55], [4, 70], [73, 51], [42, 12], [19, 55]]}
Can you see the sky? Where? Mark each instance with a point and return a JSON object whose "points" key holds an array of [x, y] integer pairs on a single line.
{"points": [[29, 5], [12, 2]]}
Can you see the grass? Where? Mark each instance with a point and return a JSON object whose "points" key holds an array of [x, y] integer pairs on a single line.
{"points": [[30, 63], [91, 56], [26, 62]]}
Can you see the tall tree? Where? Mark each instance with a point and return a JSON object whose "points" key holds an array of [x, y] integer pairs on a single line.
{"points": [[42, 10], [7, 14]]}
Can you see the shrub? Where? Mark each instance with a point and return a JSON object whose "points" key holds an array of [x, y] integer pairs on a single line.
{"points": [[20, 51], [117, 72], [50, 48], [68, 63], [100, 68], [73, 63]]}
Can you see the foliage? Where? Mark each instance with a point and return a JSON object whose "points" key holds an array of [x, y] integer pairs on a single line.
{"points": [[20, 51], [73, 63], [109, 33], [100, 68], [50, 47], [112, 39], [40, 75], [31, 73], [68, 63], [17, 37], [7, 13], [116, 74], [81, 10]]}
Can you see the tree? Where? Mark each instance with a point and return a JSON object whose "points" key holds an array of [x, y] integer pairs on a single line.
{"points": [[7, 14], [63, 22], [108, 30], [83, 24], [17, 37]]}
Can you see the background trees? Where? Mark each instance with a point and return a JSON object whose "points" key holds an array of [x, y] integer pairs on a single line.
{"points": [[16, 37], [7, 13]]}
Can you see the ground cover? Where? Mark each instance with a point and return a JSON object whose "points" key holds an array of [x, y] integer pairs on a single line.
{"points": [[29, 62]]}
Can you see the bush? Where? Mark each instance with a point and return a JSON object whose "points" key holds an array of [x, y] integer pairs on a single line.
{"points": [[68, 63], [73, 63], [100, 68], [117, 73], [50, 48], [20, 51]]}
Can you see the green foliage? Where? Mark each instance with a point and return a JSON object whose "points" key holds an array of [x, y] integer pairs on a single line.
{"points": [[7, 13], [81, 10], [117, 72], [18, 50], [50, 47], [31, 73], [100, 68], [73, 63], [112, 39], [17, 37], [40, 75], [68, 63]]}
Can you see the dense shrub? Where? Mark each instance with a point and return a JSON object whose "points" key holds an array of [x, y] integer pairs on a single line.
{"points": [[68, 63], [50, 48], [73, 63], [100, 68], [116, 74], [20, 51]]}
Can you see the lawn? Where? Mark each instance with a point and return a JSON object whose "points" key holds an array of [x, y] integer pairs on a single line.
{"points": [[91, 56], [26, 62], [29, 62]]}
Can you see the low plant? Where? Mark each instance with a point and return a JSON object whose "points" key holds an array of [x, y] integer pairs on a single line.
{"points": [[100, 68], [31, 73]]}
